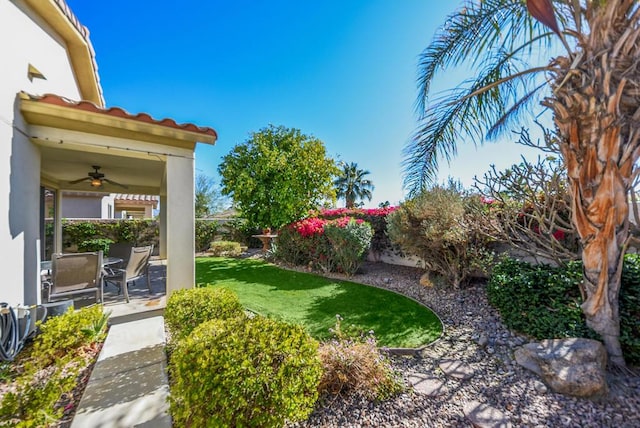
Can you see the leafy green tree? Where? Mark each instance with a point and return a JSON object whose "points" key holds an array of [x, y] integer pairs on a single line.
{"points": [[277, 176], [352, 185], [208, 199], [591, 90]]}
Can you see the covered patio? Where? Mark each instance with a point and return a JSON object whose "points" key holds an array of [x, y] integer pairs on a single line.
{"points": [[148, 156]]}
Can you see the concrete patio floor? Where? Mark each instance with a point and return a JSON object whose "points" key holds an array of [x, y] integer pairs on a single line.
{"points": [[128, 386]]}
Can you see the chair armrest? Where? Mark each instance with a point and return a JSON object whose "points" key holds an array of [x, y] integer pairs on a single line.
{"points": [[110, 272]]}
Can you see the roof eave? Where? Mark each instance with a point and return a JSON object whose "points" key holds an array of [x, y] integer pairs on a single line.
{"points": [[58, 15], [67, 117]]}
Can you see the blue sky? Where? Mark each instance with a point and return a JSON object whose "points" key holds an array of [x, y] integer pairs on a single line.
{"points": [[342, 71]]}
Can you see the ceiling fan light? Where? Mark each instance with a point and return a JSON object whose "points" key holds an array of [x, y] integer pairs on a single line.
{"points": [[96, 182]]}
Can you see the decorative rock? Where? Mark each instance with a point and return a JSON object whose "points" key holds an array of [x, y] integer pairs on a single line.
{"points": [[483, 340], [456, 369], [425, 384], [568, 366], [425, 280], [540, 387], [484, 416]]}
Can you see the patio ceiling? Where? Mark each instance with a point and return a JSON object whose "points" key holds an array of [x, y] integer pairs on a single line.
{"points": [[60, 166]]}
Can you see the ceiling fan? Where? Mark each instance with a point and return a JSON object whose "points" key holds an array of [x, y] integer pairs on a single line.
{"points": [[96, 178]]}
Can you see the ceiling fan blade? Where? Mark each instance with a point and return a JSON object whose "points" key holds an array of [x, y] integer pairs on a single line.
{"points": [[80, 180], [115, 183]]}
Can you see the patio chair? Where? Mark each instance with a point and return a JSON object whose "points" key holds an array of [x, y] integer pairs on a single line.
{"points": [[73, 274], [121, 250], [137, 267]]}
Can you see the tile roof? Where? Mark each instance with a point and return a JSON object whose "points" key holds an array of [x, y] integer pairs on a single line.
{"points": [[84, 32], [66, 10], [126, 197], [121, 113]]}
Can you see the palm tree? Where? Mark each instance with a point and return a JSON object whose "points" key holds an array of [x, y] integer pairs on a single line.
{"points": [[351, 184], [593, 92]]}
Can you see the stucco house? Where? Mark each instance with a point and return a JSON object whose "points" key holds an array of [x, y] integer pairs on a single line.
{"points": [[85, 205], [54, 126]]}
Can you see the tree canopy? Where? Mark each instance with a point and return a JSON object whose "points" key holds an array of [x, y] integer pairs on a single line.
{"points": [[277, 176], [208, 199], [352, 185]]}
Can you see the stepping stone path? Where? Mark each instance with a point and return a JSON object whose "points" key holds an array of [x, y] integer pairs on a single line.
{"points": [[425, 384], [456, 369], [484, 416]]}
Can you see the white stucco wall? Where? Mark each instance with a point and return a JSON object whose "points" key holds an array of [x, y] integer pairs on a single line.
{"points": [[24, 40], [82, 206], [107, 207]]}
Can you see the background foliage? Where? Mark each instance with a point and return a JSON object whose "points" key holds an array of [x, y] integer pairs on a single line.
{"points": [[530, 205], [277, 176], [208, 199], [96, 234], [351, 184], [444, 228], [544, 301]]}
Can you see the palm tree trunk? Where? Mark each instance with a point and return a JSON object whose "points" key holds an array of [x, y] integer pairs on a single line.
{"points": [[596, 108], [602, 260], [600, 214]]}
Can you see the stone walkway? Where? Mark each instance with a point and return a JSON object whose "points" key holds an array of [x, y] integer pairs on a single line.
{"points": [[128, 386]]}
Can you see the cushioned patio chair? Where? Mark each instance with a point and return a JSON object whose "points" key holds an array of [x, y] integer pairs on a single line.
{"points": [[73, 274], [137, 267], [121, 250]]}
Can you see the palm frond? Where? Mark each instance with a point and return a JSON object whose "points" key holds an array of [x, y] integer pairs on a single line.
{"points": [[493, 97], [511, 116], [473, 33]]}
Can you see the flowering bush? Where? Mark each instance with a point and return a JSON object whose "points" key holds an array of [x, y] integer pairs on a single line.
{"points": [[309, 227], [306, 242], [354, 212], [530, 209], [376, 217], [349, 240], [303, 243]]}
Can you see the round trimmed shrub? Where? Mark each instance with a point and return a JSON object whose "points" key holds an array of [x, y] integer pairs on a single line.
{"points": [[244, 372], [188, 308], [225, 249]]}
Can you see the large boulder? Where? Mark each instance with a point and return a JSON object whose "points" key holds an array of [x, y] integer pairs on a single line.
{"points": [[568, 366]]}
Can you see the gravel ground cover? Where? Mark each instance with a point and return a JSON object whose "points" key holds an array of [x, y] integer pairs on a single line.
{"points": [[481, 348]]}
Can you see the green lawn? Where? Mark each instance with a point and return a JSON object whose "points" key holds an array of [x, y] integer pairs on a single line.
{"points": [[314, 301]]}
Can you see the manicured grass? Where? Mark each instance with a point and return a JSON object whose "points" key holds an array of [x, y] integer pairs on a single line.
{"points": [[314, 301]]}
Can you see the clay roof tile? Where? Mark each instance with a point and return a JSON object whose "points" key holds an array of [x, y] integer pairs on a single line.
{"points": [[120, 112]]}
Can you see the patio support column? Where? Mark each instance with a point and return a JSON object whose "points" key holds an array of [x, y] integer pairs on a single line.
{"points": [[180, 223], [57, 222], [163, 227]]}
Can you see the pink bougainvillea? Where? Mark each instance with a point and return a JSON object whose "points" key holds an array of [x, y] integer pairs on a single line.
{"points": [[309, 226], [314, 226], [559, 235], [487, 200], [355, 212]]}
